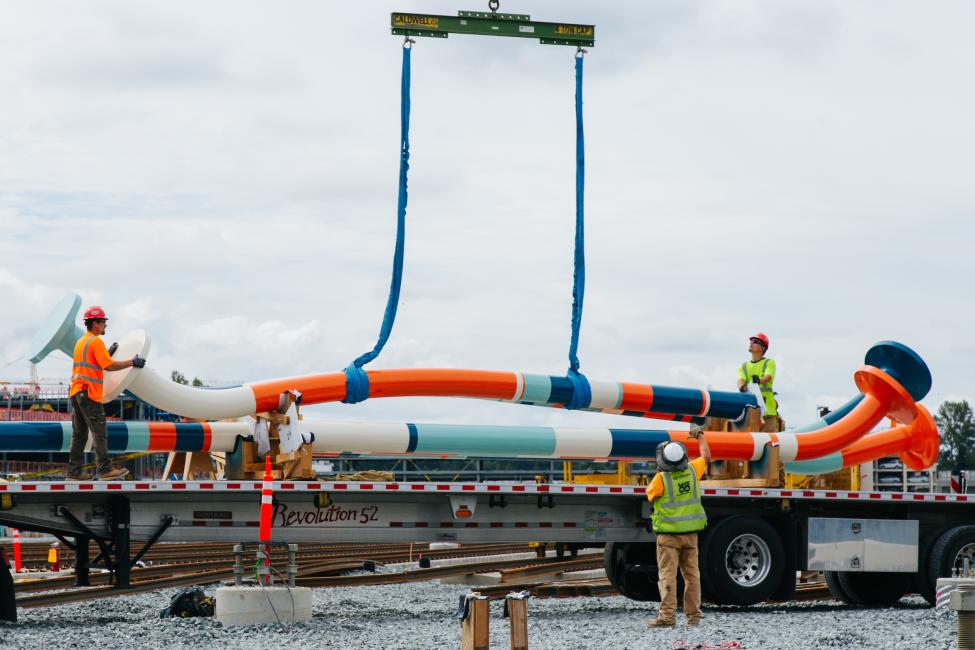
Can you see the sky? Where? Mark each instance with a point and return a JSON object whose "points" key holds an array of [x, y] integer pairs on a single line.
{"points": [[224, 174]]}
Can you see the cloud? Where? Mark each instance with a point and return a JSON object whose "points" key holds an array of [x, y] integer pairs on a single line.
{"points": [[225, 177]]}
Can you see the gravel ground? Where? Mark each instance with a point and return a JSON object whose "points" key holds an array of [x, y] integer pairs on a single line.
{"points": [[420, 615]]}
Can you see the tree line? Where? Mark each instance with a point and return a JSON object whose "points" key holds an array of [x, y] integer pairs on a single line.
{"points": [[956, 424]]}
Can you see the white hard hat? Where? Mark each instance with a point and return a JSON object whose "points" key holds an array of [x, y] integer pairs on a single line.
{"points": [[673, 452]]}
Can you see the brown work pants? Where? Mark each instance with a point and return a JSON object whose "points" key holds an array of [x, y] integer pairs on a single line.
{"points": [[87, 415], [673, 552]]}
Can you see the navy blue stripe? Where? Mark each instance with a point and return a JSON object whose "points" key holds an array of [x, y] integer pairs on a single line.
{"points": [[636, 443], [635, 414], [678, 400], [118, 436], [561, 390], [729, 405], [30, 436], [413, 438], [189, 436]]}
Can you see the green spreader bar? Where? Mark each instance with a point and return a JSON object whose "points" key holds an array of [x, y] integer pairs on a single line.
{"points": [[487, 23]]}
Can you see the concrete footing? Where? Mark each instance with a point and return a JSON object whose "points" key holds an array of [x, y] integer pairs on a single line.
{"points": [[253, 604]]}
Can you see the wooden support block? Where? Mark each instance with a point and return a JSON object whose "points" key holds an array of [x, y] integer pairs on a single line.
{"points": [[474, 629], [518, 622]]}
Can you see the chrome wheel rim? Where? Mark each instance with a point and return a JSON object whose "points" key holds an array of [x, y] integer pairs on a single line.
{"points": [[966, 552], [748, 560]]}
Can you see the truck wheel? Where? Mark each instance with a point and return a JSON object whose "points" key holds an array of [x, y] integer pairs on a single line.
{"points": [[836, 589], [950, 552], [922, 582], [742, 561], [875, 588], [632, 569]]}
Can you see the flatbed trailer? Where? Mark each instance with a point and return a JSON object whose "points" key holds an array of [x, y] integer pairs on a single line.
{"points": [[874, 546]]}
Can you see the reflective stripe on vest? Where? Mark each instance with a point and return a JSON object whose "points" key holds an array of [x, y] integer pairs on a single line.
{"points": [[82, 364], [675, 512]]}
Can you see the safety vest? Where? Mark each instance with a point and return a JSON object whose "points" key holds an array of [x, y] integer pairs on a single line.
{"points": [[759, 368], [86, 374], [679, 509]]}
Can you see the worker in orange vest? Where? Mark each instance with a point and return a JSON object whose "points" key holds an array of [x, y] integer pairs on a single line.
{"points": [[91, 360]]}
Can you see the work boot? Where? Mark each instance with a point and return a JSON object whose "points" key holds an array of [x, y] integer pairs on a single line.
{"points": [[113, 474], [659, 622], [693, 622]]}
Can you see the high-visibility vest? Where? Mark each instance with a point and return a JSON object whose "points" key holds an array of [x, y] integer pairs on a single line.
{"points": [[86, 374], [679, 509], [760, 369]]}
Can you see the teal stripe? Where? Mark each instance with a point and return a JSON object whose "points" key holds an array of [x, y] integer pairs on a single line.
{"points": [[471, 440], [538, 389], [823, 465], [815, 425], [138, 436], [66, 429]]}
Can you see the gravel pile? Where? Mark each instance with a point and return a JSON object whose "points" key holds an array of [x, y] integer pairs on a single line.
{"points": [[421, 615]]}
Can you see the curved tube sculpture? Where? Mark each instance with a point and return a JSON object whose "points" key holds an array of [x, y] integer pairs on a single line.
{"points": [[916, 444], [892, 380]]}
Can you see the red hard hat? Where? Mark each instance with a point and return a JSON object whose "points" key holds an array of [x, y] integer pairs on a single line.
{"points": [[760, 337], [95, 312]]}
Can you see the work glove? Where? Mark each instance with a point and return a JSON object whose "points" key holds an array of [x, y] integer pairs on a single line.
{"points": [[112, 349], [743, 388], [755, 379], [138, 362]]}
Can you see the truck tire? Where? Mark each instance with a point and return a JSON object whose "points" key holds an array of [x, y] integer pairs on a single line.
{"points": [[836, 589], [949, 552], [922, 582], [875, 588], [742, 561], [632, 569]]}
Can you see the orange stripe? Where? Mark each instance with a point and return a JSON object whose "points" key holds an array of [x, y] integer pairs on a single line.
{"points": [[442, 382], [162, 436], [207, 436], [636, 397], [315, 389], [724, 445]]}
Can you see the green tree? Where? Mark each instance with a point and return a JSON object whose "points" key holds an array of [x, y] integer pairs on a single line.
{"points": [[956, 424], [180, 378]]}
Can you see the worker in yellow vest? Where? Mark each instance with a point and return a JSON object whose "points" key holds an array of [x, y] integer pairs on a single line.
{"points": [[91, 360], [678, 517], [760, 371]]}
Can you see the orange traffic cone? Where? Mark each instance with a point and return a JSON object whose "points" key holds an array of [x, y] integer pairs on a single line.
{"points": [[267, 513]]}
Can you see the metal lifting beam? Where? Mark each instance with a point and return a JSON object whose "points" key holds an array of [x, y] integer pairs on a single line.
{"points": [[490, 23]]}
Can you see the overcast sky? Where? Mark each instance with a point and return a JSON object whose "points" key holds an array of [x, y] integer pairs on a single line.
{"points": [[223, 175]]}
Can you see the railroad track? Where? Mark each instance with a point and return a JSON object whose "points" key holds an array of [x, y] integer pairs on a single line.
{"points": [[210, 571], [183, 552]]}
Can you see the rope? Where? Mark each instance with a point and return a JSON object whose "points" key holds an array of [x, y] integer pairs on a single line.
{"points": [[581, 391], [356, 379]]}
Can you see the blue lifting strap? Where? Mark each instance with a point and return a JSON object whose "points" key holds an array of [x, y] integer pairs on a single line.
{"points": [[581, 392], [356, 379]]}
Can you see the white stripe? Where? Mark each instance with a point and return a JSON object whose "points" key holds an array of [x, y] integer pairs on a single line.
{"points": [[788, 446], [519, 387], [707, 402], [605, 395], [359, 437], [267, 500], [582, 443], [759, 440]]}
